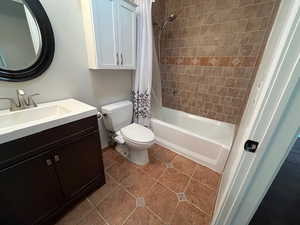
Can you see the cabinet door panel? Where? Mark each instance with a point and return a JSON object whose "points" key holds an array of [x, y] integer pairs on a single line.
{"points": [[127, 35], [29, 191], [105, 22], [79, 163], [10, 151]]}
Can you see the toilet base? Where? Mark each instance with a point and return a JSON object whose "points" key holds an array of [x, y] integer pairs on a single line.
{"points": [[134, 155], [123, 150], [139, 157]]}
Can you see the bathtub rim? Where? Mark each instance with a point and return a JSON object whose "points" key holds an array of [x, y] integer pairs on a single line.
{"points": [[193, 116], [226, 147]]}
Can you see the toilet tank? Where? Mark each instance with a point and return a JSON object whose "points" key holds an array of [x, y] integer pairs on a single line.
{"points": [[117, 115]]}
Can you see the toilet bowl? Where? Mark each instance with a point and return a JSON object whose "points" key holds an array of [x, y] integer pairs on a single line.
{"points": [[133, 140], [139, 139]]}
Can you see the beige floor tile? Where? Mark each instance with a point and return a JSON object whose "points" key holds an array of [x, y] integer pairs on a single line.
{"points": [[162, 202], [92, 219], [154, 168], [117, 206], [138, 183], [187, 214], [112, 157], [207, 177], [121, 171], [102, 192], [203, 197], [174, 180], [142, 216], [161, 153], [184, 165], [77, 213]]}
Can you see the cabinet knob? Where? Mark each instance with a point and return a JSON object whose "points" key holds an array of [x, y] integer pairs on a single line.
{"points": [[48, 162], [56, 158]]}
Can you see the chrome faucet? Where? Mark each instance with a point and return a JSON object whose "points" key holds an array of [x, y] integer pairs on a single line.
{"points": [[24, 101], [21, 99]]}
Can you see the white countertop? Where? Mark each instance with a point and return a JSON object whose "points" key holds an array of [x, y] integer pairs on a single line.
{"points": [[14, 125]]}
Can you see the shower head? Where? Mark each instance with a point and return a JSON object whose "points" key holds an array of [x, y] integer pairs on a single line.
{"points": [[169, 19], [172, 17]]}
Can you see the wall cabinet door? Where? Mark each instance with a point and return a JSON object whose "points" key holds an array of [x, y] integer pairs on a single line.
{"points": [[110, 33], [127, 34], [78, 163], [105, 23], [29, 191]]}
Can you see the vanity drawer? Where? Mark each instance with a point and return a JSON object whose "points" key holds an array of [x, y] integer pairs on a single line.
{"points": [[55, 135], [23, 148]]}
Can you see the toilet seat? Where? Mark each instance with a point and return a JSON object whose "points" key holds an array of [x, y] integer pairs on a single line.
{"points": [[138, 134]]}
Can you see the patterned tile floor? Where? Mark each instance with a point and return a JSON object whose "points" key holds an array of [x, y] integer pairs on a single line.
{"points": [[170, 190]]}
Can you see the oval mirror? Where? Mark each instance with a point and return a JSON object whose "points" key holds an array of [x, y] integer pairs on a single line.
{"points": [[26, 40]]}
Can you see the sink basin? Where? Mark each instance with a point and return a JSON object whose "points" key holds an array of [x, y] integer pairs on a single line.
{"points": [[20, 117], [22, 123]]}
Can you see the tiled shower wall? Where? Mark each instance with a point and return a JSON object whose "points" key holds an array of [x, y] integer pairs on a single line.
{"points": [[211, 52]]}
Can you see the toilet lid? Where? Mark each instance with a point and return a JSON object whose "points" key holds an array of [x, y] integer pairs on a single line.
{"points": [[137, 133]]}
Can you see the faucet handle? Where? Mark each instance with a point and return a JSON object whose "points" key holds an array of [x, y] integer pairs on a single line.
{"points": [[31, 101], [20, 92]]}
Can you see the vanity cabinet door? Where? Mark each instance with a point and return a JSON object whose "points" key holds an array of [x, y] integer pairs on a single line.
{"points": [[127, 35], [79, 163], [29, 191]]}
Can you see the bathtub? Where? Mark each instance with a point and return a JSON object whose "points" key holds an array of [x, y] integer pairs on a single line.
{"points": [[202, 140]]}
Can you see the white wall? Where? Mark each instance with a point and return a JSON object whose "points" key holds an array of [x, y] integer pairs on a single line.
{"points": [[68, 75]]}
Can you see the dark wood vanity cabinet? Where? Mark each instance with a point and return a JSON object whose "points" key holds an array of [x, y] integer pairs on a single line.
{"points": [[43, 174]]}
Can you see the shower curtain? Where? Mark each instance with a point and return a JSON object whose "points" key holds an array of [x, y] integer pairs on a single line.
{"points": [[141, 92]]}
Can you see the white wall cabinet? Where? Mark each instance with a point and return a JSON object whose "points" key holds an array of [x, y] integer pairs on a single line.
{"points": [[110, 32]]}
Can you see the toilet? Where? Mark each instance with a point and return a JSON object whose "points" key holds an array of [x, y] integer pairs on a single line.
{"points": [[133, 140]]}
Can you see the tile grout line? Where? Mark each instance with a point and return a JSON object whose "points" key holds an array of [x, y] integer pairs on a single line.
{"points": [[158, 182], [120, 185], [125, 189], [107, 194], [204, 185], [88, 213], [90, 202], [114, 161], [197, 207], [168, 188], [174, 213], [191, 178], [155, 214], [130, 214], [102, 217]]}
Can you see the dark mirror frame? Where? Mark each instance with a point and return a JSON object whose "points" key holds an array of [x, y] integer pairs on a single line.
{"points": [[47, 52]]}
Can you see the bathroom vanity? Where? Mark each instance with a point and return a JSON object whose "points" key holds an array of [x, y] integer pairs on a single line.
{"points": [[49, 162]]}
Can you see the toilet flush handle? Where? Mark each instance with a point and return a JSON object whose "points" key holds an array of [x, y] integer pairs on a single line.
{"points": [[99, 115]]}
